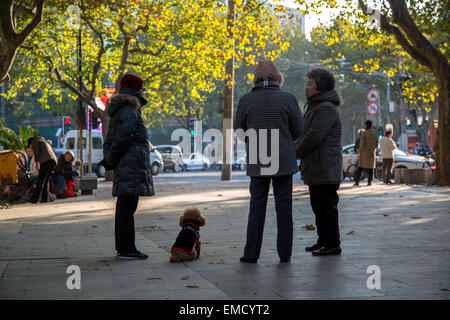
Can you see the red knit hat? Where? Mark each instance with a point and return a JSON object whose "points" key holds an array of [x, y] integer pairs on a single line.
{"points": [[131, 81]]}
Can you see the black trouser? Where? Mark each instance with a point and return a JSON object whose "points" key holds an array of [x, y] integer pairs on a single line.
{"points": [[324, 201], [358, 172], [259, 191], [124, 225], [41, 190], [387, 168]]}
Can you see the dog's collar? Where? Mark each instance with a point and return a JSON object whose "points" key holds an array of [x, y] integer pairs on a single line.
{"points": [[192, 225]]}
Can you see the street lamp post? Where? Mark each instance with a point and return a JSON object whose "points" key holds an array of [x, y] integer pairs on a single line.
{"points": [[80, 111], [388, 98]]}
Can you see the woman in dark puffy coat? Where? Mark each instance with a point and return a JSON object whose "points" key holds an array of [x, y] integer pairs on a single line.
{"points": [[126, 150]]}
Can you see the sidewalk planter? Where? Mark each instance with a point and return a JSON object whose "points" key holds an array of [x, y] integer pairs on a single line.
{"points": [[414, 176], [401, 175], [86, 185]]}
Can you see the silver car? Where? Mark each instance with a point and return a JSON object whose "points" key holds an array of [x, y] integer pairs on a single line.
{"points": [[156, 160], [402, 160]]}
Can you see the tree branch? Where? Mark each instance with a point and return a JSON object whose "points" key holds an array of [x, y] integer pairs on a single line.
{"points": [[125, 52], [100, 53], [402, 18], [89, 100], [406, 45], [38, 5]]}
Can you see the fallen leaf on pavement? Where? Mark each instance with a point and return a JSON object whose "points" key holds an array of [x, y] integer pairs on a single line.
{"points": [[416, 217], [351, 232], [185, 278], [386, 215], [309, 227], [445, 289], [219, 195], [94, 226], [217, 262], [191, 286]]}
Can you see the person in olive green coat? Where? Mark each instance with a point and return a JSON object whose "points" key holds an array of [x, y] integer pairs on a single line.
{"points": [[367, 153], [320, 151], [44, 155]]}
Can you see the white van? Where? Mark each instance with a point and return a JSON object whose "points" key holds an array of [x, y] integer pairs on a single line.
{"points": [[71, 143]]}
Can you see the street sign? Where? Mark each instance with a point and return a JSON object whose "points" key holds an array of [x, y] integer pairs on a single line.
{"points": [[373, 95], [372, 108], [391, 106]]}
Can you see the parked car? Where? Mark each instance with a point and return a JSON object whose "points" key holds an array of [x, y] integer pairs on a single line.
{"points": [[156, 160], [238, 163], [402, 160], [70, 143], [196, 161], [172, 157]]}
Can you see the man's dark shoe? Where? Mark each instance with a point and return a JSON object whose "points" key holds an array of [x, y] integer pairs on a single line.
{"points": [[327, 252], [248, 260], [132, 255], [369, 184], [356, 184], [313, 248], [285, 259]]}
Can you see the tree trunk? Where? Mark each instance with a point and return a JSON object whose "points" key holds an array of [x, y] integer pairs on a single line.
{"points": [[443, 138], [10, 40]]}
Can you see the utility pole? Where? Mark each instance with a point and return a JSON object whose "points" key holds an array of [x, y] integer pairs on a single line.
{"points": [[80, 109], [403, 135], [388, 98], [227, 144]]}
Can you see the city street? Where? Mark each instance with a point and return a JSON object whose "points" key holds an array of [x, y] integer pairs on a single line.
{"points": [[403, 230]]}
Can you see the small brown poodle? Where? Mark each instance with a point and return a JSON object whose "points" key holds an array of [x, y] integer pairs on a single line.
{"points": [[188, 244]]}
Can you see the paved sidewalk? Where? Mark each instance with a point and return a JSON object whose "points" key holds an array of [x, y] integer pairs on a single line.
{"points": [[405, 230]]}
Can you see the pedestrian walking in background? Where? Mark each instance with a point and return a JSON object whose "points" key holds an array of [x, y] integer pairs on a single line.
{"points": [[126, 150], [269, 108], [44, 155], [387, 147], [367, 153], [320, 152], [358, 139]]}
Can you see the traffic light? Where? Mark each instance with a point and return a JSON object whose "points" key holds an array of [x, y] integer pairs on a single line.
{"points": [[192, 126], [66, 125], [192, 132], [380, 133]]}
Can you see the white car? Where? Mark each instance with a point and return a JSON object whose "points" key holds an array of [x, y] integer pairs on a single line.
{"points": [[402, 160], [196, 161]]}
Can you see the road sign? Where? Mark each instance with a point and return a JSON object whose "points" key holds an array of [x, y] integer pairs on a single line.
{"points": [[373, 95], [372, 108]]}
